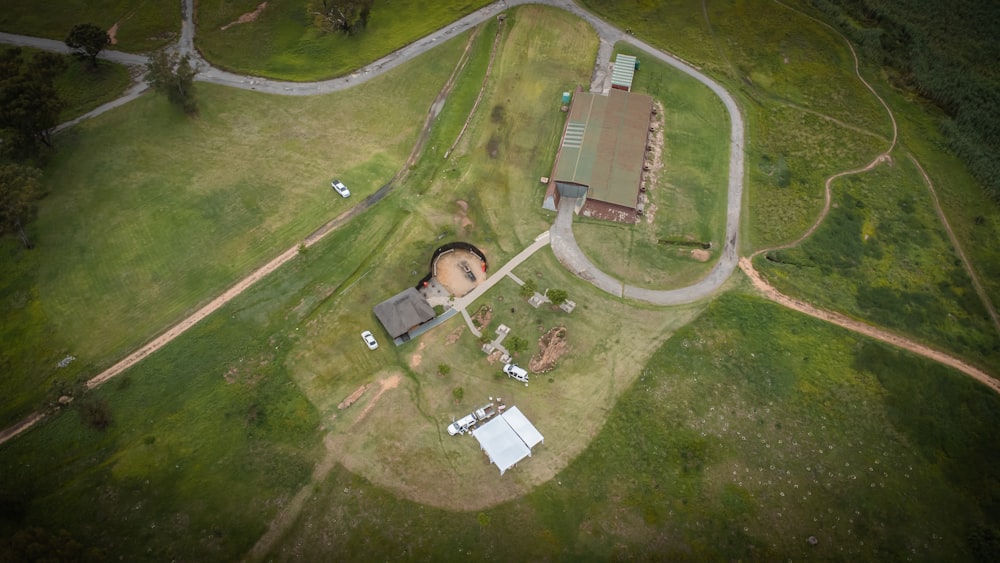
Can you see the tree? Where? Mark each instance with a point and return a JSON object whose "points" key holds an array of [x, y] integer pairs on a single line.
{"points": [[347, 16], [528, 289], [174, 76], [88, 40], [20, 186], [557, 296], [29, 103]]}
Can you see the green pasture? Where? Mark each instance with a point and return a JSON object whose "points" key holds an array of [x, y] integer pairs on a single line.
{"points": [[211, 436], [881, 255], [83, 89], [284, 43], [687, 199], [425, 464], [494, 171], [753, 429], [132, 238], [143, 25]]}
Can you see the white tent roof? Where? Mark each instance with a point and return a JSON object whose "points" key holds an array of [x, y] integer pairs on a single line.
{"points": [[523, 427], [501, 443]]}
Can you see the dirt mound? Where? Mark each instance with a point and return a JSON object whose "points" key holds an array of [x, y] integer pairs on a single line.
{"points": [[247, 17], [551, 346], [701, 255], [483, 317], [353, 397], [454, 335]]}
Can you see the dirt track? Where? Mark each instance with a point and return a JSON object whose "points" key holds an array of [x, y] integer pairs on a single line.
{"points": [[843, 321], [867, 330]]}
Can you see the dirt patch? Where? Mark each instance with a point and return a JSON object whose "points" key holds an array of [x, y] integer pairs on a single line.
{"points": [[494, 356], [353, 397], [459, 271], [247, 17], [462, 216], [551, 346], [454, 335], [388, 383], [482, 317], [701, 255], [113, 34], [417, 356]]}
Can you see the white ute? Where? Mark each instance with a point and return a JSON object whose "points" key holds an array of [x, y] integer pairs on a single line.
{"points": [[462, 425], [515, 372]]}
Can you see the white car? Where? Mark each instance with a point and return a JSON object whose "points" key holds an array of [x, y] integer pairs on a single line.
{"points": [[340, 188], [369, 339]]}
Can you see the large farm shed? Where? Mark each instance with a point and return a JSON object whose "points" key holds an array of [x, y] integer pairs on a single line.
{"points": [[601, 157], [508, 438], [403, 312]]}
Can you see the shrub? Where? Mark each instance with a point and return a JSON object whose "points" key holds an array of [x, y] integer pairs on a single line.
{"points": [[444, 369], [458, 393], [529, 288], [557, 296]]}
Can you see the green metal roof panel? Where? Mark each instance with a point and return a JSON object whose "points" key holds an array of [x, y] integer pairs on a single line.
{"points": [[604, 145], [623, 71]]}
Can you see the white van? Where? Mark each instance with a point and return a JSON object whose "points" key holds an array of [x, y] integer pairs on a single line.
{"points": [[516, 372]]}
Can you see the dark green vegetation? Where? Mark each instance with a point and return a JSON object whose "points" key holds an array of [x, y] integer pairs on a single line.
{"points": [[173, 76], [283, 42], [87, 40], [82, 88], [751, 430], [29, 103], [881, 255], [143, 25], [946, 52]]}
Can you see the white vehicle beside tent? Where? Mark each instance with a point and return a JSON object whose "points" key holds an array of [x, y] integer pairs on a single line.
{"points": [[462, 425], [515, 372]]}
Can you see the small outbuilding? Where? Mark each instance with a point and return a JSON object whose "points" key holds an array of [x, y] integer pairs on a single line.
{"points": [[508, 438], [404, 312], [623, 72]]}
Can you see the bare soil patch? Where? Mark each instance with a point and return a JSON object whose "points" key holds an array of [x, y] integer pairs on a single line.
{"points": [[247, 17], [454, 335], [353, 397], [113, 34], [701, 255], [551, 346], [388, 383], [459, 271], [417, 356], [482, 317], [462, 216]]}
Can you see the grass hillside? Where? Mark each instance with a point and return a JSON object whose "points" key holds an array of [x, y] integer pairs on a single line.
{"points": [[142, 25], [283, 42], [131, 239]]}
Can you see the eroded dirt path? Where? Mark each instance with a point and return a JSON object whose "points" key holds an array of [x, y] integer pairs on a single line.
{"points": [[868, 330], [746, 263]]}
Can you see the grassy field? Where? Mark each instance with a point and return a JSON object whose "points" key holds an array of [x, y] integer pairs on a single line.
{"points": [[487, 191], [751, 431], [688, 198], [143, 25], [83, 89], [211, 436], [284, 43], [132, 238], [726, 430], [882, 256]]}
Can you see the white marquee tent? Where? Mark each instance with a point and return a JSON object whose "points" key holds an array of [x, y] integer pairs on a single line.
{"points": [[508, 438]]}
